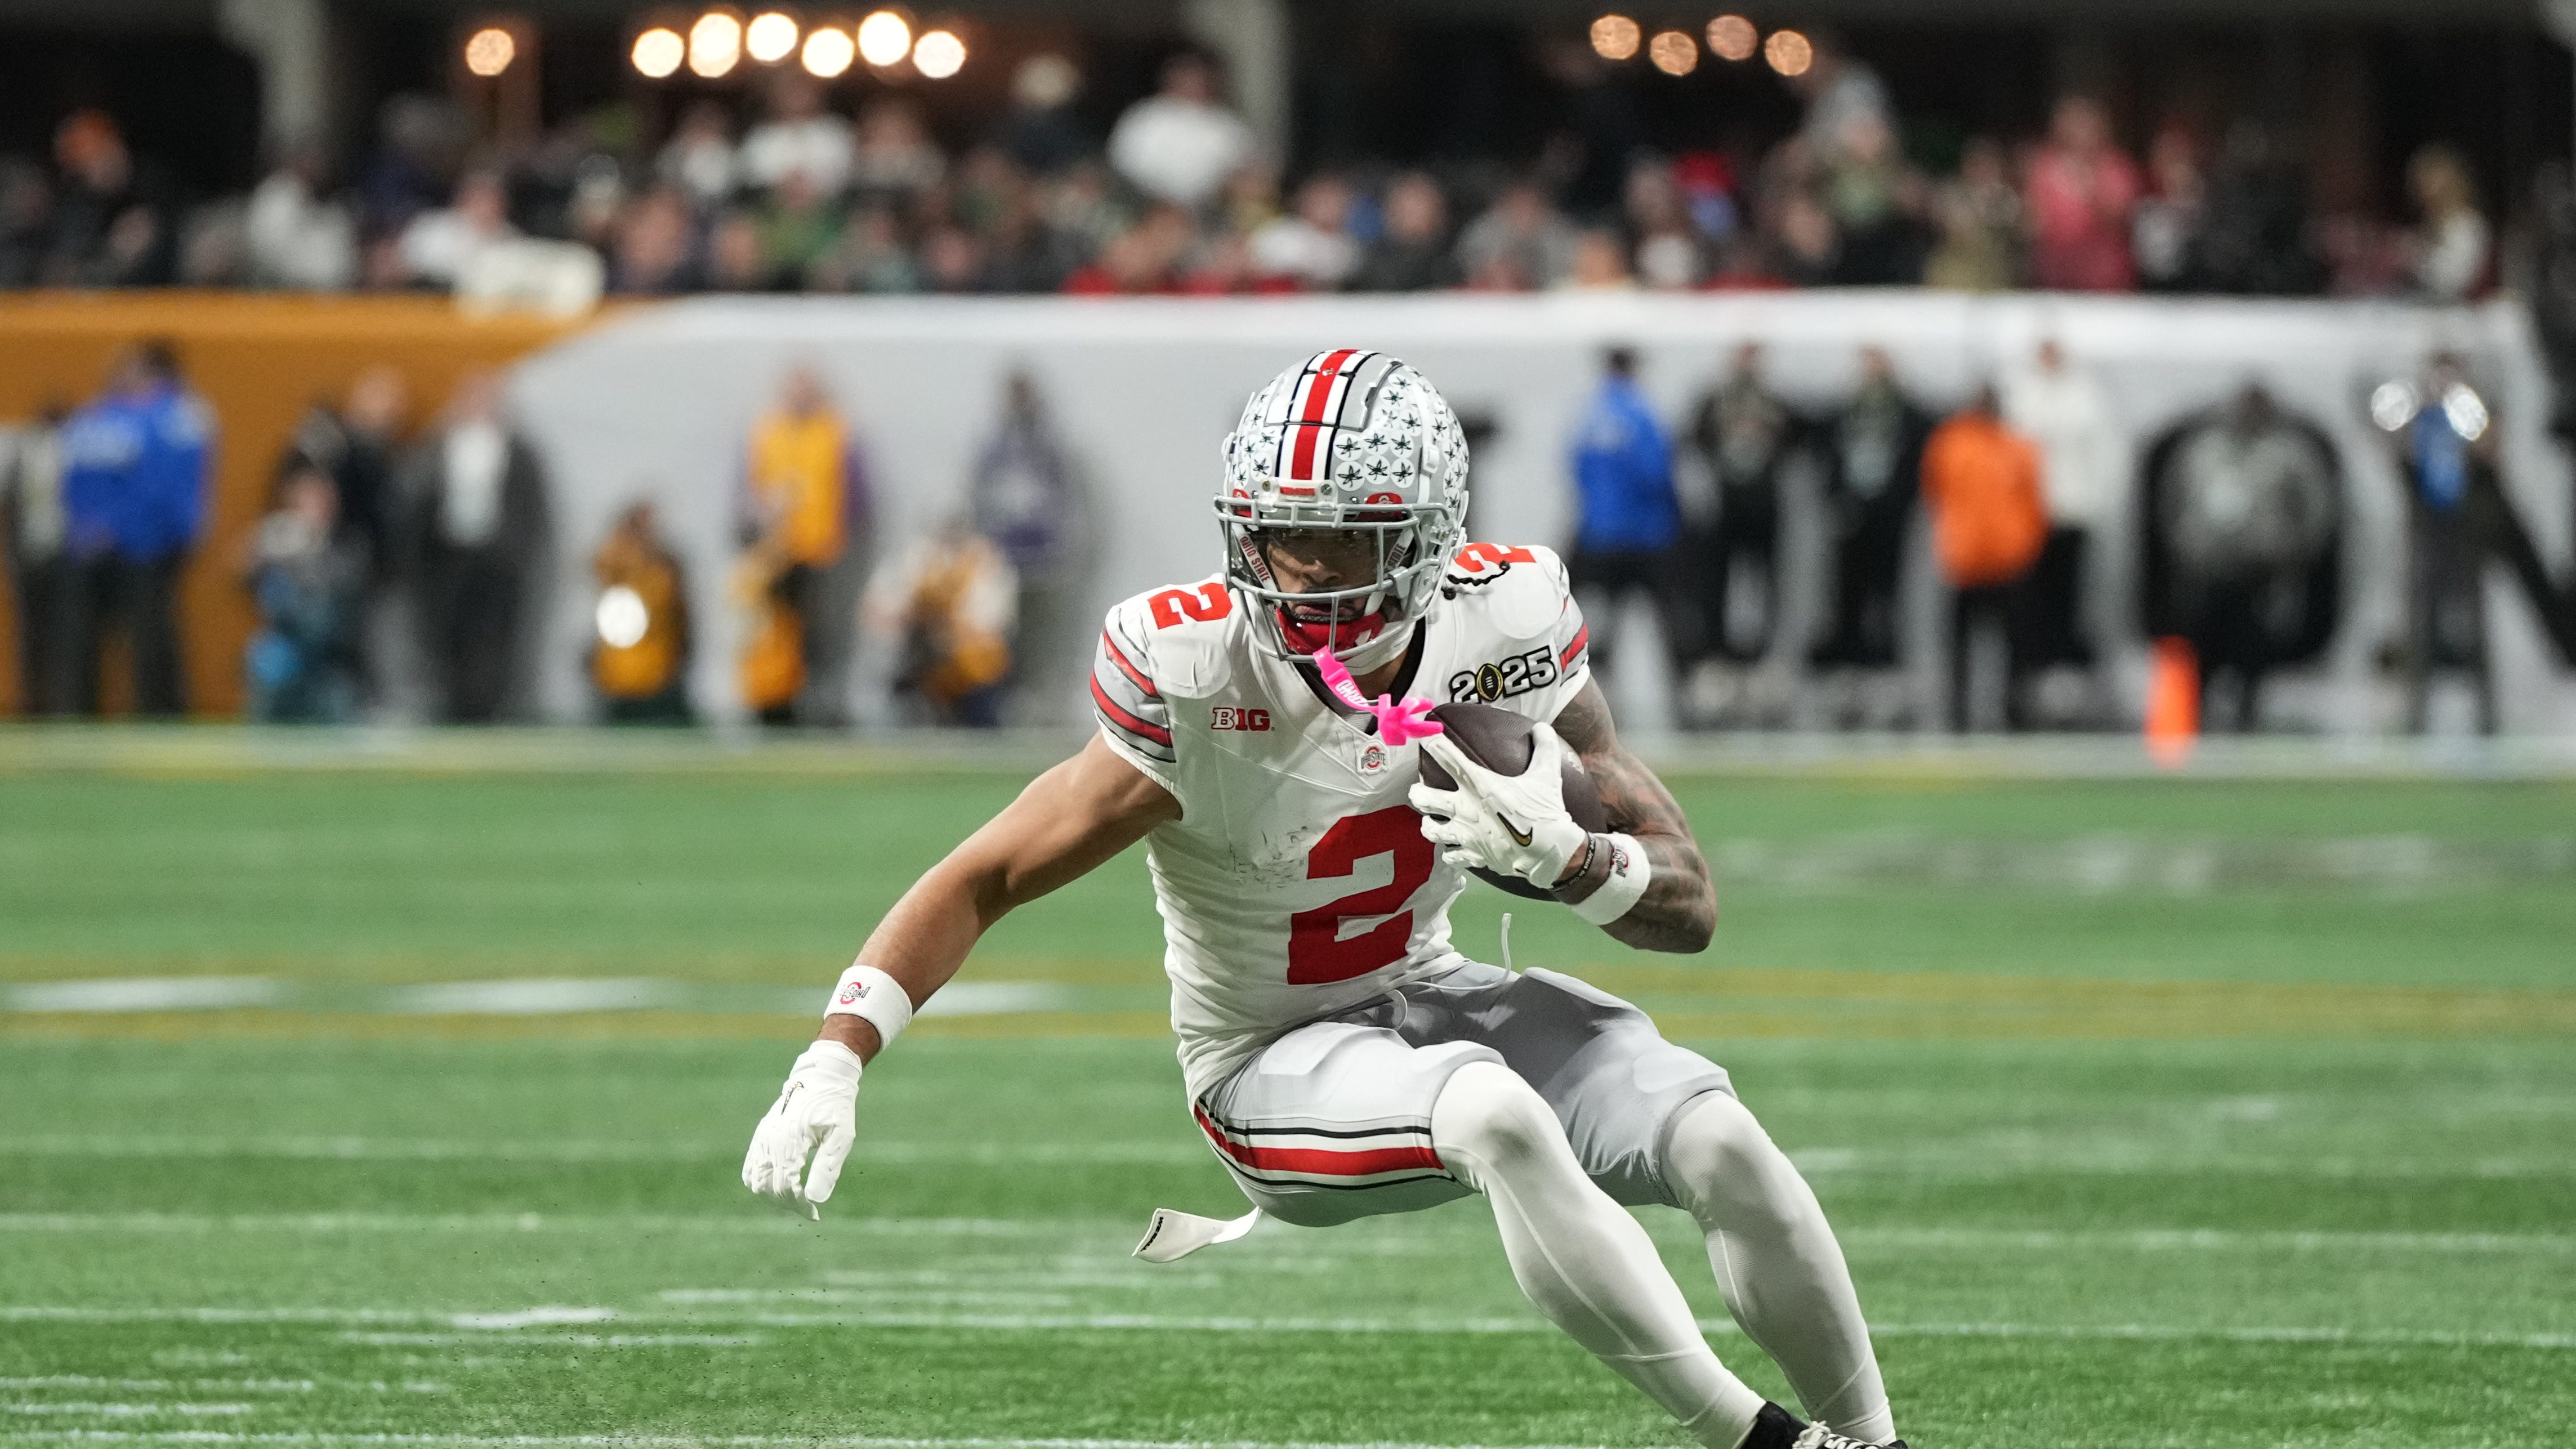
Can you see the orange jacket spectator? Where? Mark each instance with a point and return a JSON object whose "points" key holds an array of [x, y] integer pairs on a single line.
{"points": [[1981, 481]]}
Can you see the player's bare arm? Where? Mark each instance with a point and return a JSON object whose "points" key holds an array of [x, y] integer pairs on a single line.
{"points": [[1064, 825], [1067, 822], [1678, 911]]}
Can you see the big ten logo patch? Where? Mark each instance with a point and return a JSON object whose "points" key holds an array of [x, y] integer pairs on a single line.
{"points": [[1504, 678], [1234, 717]]}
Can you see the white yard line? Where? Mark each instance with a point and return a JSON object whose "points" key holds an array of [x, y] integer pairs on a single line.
{"points": [[1420, 1237], [507, 996], [553, 1340], [223, 1386], [746, 1441], [182, 1408], [2212, 1240], [141, 993], [753, 1220], [502, 1328], [534, 996], [1972, 1161], [550, 1316], [399, 1149]]}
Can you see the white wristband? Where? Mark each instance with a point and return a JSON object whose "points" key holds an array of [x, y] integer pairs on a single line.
{"points": [[1629, 873], [875, 998]]}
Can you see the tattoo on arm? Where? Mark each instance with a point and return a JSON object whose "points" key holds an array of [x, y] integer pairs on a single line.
{"points": [[1678, 912]]}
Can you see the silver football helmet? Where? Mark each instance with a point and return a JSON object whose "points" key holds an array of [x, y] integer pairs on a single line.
{"points": [[1347, 442]]}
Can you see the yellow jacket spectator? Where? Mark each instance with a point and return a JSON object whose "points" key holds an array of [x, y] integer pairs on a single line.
{"points": [[803, 483], [803, 530]]}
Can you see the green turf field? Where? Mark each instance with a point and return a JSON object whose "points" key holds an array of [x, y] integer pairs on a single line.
{"points": [[2154, 1113]]}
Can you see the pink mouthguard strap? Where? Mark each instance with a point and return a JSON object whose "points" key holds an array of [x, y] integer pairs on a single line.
{"points": [[1399, 722]]}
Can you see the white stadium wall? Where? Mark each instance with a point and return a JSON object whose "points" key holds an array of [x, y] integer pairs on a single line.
{"points": [[657, 403]]}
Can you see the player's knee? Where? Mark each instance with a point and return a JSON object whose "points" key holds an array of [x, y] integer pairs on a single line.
{"points": [[1489, 1120], [1717, 1157]]}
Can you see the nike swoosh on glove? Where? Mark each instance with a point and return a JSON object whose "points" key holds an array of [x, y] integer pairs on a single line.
{"points": [[816, 1113], [1508, 824]]}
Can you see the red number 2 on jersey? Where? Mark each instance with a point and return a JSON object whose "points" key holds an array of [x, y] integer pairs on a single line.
{"points": [[1317, 950], [1207, 602], [1475, 558]]}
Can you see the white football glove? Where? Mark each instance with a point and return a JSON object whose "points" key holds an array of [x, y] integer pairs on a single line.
{"points": [[818, 1113], [1508, 824]]}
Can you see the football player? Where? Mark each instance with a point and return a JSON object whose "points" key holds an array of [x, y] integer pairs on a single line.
{"points": [[1342, 1057]]}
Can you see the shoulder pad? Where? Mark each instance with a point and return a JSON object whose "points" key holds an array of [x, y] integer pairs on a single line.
{"points": [[1185, 632], [1520, 589]]}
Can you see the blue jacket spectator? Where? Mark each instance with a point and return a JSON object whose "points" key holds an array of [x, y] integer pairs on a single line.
{"points": [[1628, 520], [134, 503], [134, 467], [1623, 470]]}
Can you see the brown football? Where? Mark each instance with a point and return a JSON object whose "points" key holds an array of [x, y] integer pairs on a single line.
{"points": [[1501, 741]]}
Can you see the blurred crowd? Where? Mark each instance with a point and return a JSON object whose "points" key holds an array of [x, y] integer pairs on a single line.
{"points": [[402, 575], [1179, 197], [2236, 515]]}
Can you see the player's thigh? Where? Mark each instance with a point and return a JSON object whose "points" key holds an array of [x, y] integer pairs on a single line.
{"points": [[1332, 1122], [1613, 1081]]}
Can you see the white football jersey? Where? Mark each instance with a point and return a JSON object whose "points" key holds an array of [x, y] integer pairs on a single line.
{"points": [[1297, 882]]}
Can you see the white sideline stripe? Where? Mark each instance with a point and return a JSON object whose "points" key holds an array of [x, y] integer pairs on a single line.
{"points": [[1013, 1322]]}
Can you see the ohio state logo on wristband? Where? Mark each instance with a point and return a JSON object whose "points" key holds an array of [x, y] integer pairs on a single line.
{"points": [[857, 994]]}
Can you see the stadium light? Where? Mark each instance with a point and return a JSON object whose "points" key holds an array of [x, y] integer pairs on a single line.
{"points": [[1615, 37], [828, 52], [715, 44], [1732, 37], [489, 51], [939, 54], [885, 38], [1788, 52], [1673, 52], [658, 52], [770, 38]]}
